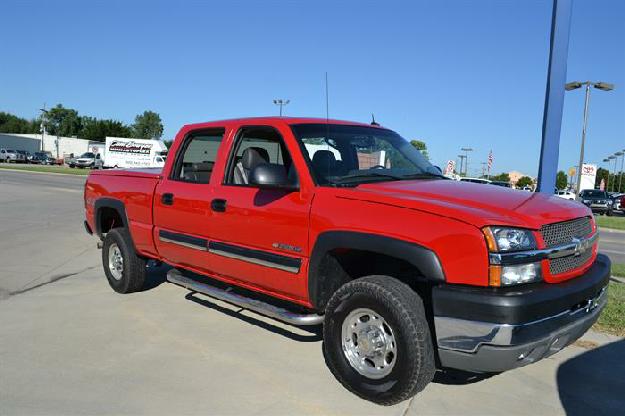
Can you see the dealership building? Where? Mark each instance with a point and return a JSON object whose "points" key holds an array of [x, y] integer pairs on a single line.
{"points": [[60, 147]]}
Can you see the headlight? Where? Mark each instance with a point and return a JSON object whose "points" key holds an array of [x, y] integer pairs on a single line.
{"points": [[503, 239], [585, 201]]}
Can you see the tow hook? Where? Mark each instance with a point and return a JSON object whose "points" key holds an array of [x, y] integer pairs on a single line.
{"points": [[99, 244]]}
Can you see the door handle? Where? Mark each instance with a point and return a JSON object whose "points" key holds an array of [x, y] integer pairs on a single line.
{"points": [[167, 199], [218, 205]]}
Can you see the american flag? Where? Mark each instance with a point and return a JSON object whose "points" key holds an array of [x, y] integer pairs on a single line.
{"points": [[490, 160]]}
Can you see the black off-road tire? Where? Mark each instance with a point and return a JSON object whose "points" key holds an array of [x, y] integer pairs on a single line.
{"points": [[134, 266], [402, 308]]}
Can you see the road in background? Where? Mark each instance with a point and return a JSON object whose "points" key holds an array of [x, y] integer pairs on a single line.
{"points": [[73, 346], [612, 243]]}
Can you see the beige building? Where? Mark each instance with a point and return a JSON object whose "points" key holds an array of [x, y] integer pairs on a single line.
{"points": [[516, 175]]}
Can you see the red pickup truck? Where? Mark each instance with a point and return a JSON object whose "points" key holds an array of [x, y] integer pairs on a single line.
{"points": [[314, 221]]}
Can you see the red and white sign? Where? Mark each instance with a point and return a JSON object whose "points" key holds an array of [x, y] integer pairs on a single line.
{"points": [[449, 169], [589, 173]]}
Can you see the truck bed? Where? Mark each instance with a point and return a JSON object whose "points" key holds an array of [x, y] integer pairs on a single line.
{"points": [[135, 172], [134, 189]]}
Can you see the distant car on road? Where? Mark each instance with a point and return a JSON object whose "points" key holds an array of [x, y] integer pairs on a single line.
{"points": [[9, 156], [566, 195], [475, 180], [598, 201]]}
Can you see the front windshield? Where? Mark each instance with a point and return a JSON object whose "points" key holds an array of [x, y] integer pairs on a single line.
{"points": [[88, 155], [344, 155]]}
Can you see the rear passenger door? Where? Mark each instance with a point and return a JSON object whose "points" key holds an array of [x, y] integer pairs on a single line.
{"points": [[182, 212]]}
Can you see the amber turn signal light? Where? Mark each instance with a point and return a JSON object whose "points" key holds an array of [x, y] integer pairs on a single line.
{"points": [[494, 276]]}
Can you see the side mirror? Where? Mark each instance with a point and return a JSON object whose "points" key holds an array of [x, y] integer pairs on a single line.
{"points": [[271, 176]]}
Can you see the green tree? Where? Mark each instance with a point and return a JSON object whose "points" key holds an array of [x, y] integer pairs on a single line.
{"points": [[502, 177], [61, 121], [603, 174], [168, 143], [148, 126], [421, 146], [98, 130], [524, 181], [561, 180], [10, 123]]}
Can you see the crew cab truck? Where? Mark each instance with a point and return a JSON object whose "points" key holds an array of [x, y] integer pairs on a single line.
{"points": [[313, 221]]}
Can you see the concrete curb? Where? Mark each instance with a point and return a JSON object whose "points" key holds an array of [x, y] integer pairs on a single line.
{"points": [[617, 279], [612, 230]]}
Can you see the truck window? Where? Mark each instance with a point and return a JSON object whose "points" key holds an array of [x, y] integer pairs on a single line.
{"points": [[197, 158], [256, 146]]}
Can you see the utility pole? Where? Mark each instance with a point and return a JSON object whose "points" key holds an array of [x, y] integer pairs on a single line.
{"points": [[44, 114], [462, 157], [466, 151], [281, 103]]}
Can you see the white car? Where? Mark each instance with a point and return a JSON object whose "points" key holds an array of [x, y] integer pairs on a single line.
{"points": [[566, 195], [8, 156], [475, 180]]}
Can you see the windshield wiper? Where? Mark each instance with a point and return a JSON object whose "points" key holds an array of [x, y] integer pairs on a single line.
{"points": [[358, 177], [424, 175]]}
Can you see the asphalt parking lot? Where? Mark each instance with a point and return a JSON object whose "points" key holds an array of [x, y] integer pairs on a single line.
{"points": [[70, 345]]}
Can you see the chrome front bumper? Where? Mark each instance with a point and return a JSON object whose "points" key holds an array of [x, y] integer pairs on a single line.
{"points": [[480, 346]]}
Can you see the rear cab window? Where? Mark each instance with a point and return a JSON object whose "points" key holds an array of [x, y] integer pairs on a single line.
{"points": [[197, 156]]}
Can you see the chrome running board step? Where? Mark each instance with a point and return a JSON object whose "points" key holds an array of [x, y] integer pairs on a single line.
{"points": [[263, 308]]}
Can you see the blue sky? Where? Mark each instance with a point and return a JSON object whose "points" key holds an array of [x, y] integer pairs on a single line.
{"points": [[452, 73]]}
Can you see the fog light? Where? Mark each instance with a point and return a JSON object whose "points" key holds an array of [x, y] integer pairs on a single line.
{"points": [[520, 273]]}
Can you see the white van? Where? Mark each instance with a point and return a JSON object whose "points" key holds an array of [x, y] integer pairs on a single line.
{"points": [[122, 152]]}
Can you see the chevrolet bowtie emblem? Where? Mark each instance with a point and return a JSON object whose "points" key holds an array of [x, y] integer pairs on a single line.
{"points": [[580, 246]]}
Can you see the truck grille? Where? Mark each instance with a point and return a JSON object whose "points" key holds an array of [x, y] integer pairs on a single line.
{"points": [[568, 263], [564, 232]]}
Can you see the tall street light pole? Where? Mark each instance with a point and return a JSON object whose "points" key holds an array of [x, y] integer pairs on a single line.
{"points": [[604, 86], [614, 174], [620, 176], [466, 151], [281, 103]]}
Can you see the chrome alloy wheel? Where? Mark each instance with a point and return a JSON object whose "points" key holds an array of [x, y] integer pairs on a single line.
{"points": [[368, 343], [116, 261]]}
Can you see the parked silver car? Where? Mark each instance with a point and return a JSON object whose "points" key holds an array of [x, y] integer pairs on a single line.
{"points": [[10, 156], [86, 160]]}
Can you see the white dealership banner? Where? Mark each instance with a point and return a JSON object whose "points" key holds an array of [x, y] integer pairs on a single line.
{"points": [[589, 173]]}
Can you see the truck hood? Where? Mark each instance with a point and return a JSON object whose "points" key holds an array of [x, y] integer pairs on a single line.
{"points": [[476, 204]]}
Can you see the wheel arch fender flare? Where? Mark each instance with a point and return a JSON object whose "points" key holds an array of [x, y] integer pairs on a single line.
{"points": [[422, 258], [112, 203]]}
